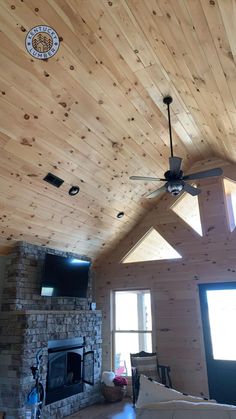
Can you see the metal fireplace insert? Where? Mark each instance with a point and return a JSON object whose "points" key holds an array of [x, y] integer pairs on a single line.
{"points": [[69, 367]]}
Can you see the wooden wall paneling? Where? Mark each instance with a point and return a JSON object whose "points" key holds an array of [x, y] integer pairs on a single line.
{"points": [[176, 233], [157, 92], [174, 283], [110, 26], [157, 87], [92, 192], [206, 43], [85, 207], [129, 27], [56, 223], [61, 162], [194, 77], [175, 71], [83, 101], [207, 85], [41, 200], [228, 13], [217, 28]]}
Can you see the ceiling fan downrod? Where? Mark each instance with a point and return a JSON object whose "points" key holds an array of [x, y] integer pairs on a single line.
{"points": [[167, 100]]}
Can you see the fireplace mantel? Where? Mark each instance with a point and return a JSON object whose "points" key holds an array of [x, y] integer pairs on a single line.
{"points": [[65, 312]]}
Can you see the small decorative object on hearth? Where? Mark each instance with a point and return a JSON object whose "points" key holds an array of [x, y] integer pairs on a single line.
{"points": [[117, 392], [107, 378]]}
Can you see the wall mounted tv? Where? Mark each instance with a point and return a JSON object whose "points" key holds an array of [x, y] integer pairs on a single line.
{"points": [[65, 277]]}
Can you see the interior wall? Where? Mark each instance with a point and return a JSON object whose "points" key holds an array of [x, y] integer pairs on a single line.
{"points": [[177, 328], [3, 260]]}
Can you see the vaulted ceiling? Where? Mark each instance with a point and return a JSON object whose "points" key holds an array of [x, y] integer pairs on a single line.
{"points": [[93, 113]]}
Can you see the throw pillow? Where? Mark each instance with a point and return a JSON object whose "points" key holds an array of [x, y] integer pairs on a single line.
{"points": [[108, 377], [154, 392]]}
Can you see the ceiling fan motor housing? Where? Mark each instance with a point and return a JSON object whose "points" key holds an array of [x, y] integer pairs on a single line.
{"points": [[169, 175]]}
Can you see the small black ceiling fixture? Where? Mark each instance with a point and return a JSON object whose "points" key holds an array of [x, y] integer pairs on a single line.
{"points": [[120, 214], [53, 180], [74, 190]]}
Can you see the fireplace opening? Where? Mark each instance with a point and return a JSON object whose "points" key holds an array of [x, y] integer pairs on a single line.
{"points": [[69, 367]]}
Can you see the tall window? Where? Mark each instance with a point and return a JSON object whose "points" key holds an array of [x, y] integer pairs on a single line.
{"points": [[230, 197], [132, 327]]}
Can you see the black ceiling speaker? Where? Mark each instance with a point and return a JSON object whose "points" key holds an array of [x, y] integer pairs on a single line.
{"points": [[53, 180], [174, 177]]}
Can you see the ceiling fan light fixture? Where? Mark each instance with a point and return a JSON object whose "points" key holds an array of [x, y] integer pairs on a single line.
{"points": [[175, 188]]}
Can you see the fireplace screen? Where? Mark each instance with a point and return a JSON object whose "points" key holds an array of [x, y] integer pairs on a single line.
{"points": [[69, 367], [56, 372]]}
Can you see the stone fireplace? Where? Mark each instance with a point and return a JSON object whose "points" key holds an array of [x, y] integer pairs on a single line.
{"points": [[67, 332]]}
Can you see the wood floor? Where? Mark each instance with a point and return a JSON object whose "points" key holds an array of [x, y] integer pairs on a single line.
{"points": [[120, 410]]}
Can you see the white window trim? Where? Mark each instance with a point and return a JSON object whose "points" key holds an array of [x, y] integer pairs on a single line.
{"points": [[113, 320]]}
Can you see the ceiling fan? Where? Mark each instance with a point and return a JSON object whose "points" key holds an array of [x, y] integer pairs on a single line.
{"points": [[174, 177]]}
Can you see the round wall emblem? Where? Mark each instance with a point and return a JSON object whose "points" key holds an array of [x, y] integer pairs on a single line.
{"points": [[42, 42]]}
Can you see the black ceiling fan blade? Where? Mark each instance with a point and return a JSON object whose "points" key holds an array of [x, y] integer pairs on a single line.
{"points": [[156, 193], [147, 178], [191, 190], [175, 164], [206, 173]]}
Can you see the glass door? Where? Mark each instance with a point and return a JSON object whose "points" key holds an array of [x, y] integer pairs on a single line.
{"points": [[218, 308]]}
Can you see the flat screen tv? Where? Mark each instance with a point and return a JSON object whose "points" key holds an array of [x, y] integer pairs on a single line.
{"points": [[65, 277]]}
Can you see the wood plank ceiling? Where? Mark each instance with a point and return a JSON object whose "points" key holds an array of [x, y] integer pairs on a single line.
{"points": [[93, 114]]}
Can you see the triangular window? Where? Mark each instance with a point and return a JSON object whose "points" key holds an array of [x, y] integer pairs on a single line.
{"points": [[152, 246], [187, 208], [230, 197]]}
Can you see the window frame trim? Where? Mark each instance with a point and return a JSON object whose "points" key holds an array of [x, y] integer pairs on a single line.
{"points": [[113, 321]]}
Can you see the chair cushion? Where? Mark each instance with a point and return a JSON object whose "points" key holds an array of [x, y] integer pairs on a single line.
{"points": [[146, 365]]}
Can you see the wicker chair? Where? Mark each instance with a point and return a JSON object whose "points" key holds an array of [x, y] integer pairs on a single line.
{"points": [[146, 363]]}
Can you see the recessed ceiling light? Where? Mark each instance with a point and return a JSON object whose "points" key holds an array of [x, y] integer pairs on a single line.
{"points": [[120, 214], [73, 190]]}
